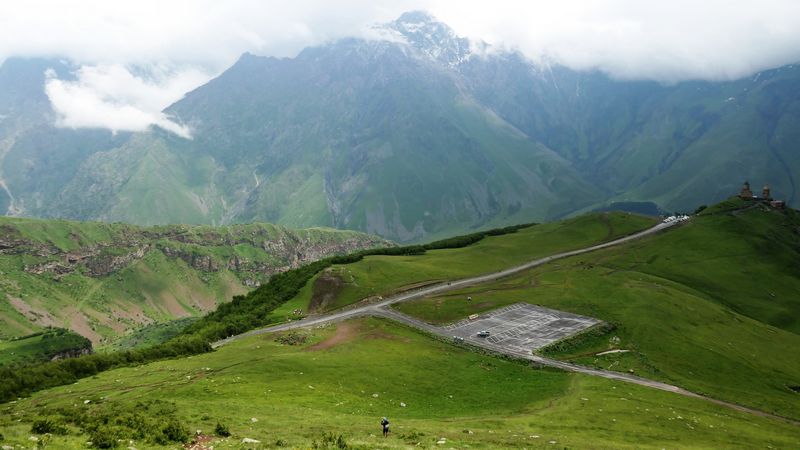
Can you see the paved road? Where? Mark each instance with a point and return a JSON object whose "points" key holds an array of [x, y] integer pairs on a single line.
{"points": [[374, 308], [381, 309], [397, 316]]}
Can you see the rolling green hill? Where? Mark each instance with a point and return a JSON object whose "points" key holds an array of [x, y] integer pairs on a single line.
{"points": [[382, 275], [52, 343], [711, 306], [103, 280], [707, 305], [342, 379]]}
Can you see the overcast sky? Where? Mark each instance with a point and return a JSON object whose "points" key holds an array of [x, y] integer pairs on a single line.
{"points": [[182, 44]]}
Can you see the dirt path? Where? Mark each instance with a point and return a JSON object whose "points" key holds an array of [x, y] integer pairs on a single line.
{"points": [[345, 332]]}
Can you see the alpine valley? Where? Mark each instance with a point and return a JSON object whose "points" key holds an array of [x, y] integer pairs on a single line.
{"points": [[412, 135], [410, 228]]}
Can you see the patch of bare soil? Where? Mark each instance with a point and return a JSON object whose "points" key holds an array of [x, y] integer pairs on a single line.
{"points": [[200, 442], [345, 332], [325, 290], [79, 324], [172, 305], [36, 315], [197, 299]]}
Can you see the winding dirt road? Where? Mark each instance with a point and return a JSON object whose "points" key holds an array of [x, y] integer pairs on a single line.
{"points": [[382, 309]]}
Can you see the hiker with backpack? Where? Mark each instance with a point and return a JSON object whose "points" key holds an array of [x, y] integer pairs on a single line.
{"points": [[385, 424]]}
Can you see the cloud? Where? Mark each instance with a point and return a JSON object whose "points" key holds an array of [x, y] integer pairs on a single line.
{"points": [[667, 41], [654, 39], [110, 96]]}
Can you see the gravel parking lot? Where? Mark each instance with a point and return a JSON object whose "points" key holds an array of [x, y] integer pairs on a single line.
{"points": [[522, 327]]}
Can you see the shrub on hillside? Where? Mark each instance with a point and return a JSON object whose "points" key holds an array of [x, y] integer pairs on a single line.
{"points": [[330, 441], [104, 437], [173, 431], [222, 430], [47, 426]]}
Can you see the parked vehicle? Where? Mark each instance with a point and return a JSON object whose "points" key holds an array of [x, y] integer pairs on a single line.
{"points": [[483, 333]]}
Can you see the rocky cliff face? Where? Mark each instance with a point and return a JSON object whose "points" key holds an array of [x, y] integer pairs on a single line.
{"points": [[280, 251], [73, 353], [103, 279]]}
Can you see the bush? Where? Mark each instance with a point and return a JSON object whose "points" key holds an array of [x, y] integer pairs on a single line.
{"points": [[222, 430], [173, 431], [46, 426], [104, 437], [152, 421], [331, 441], [292, 338]]}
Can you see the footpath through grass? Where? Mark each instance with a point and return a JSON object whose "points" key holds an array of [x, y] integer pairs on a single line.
{"points": [[342, 379], [711, 306], [383, 275]]}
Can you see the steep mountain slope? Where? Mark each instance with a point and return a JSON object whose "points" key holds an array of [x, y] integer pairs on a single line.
{"points": [[678, 145], [414, 135], [104, 279], [357, 135], [37, 158]]}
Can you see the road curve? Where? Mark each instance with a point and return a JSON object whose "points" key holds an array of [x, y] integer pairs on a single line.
{"points": [[370, 309], [397, 316], [381, 309]]}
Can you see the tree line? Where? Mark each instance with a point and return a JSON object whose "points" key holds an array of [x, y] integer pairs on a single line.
{"points": [[243, 313]]}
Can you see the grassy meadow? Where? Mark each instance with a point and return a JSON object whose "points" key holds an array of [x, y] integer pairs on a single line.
{"points": [[289, 390], [711, 306], [382, 275]]}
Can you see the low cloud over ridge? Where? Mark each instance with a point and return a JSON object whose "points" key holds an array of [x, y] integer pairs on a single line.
{"points": [[632, 39], [110, 96]]}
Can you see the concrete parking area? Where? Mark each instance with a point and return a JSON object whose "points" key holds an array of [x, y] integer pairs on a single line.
{"points": [[521, 327]]}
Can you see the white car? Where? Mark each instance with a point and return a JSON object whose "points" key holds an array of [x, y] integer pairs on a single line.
{"points": [[483, 333]]}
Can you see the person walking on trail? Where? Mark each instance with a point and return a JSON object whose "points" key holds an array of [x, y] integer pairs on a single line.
{"points": [[385, 424]]}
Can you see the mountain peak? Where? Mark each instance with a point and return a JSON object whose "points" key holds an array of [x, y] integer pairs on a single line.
{"points": [[422, 31], [416, 17]]}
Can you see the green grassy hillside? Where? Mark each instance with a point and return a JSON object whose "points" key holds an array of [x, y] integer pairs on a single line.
{"points": [[289, 392], [711, 306], [43, 346], [103, 280], [342, 285], [673, 299]]}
